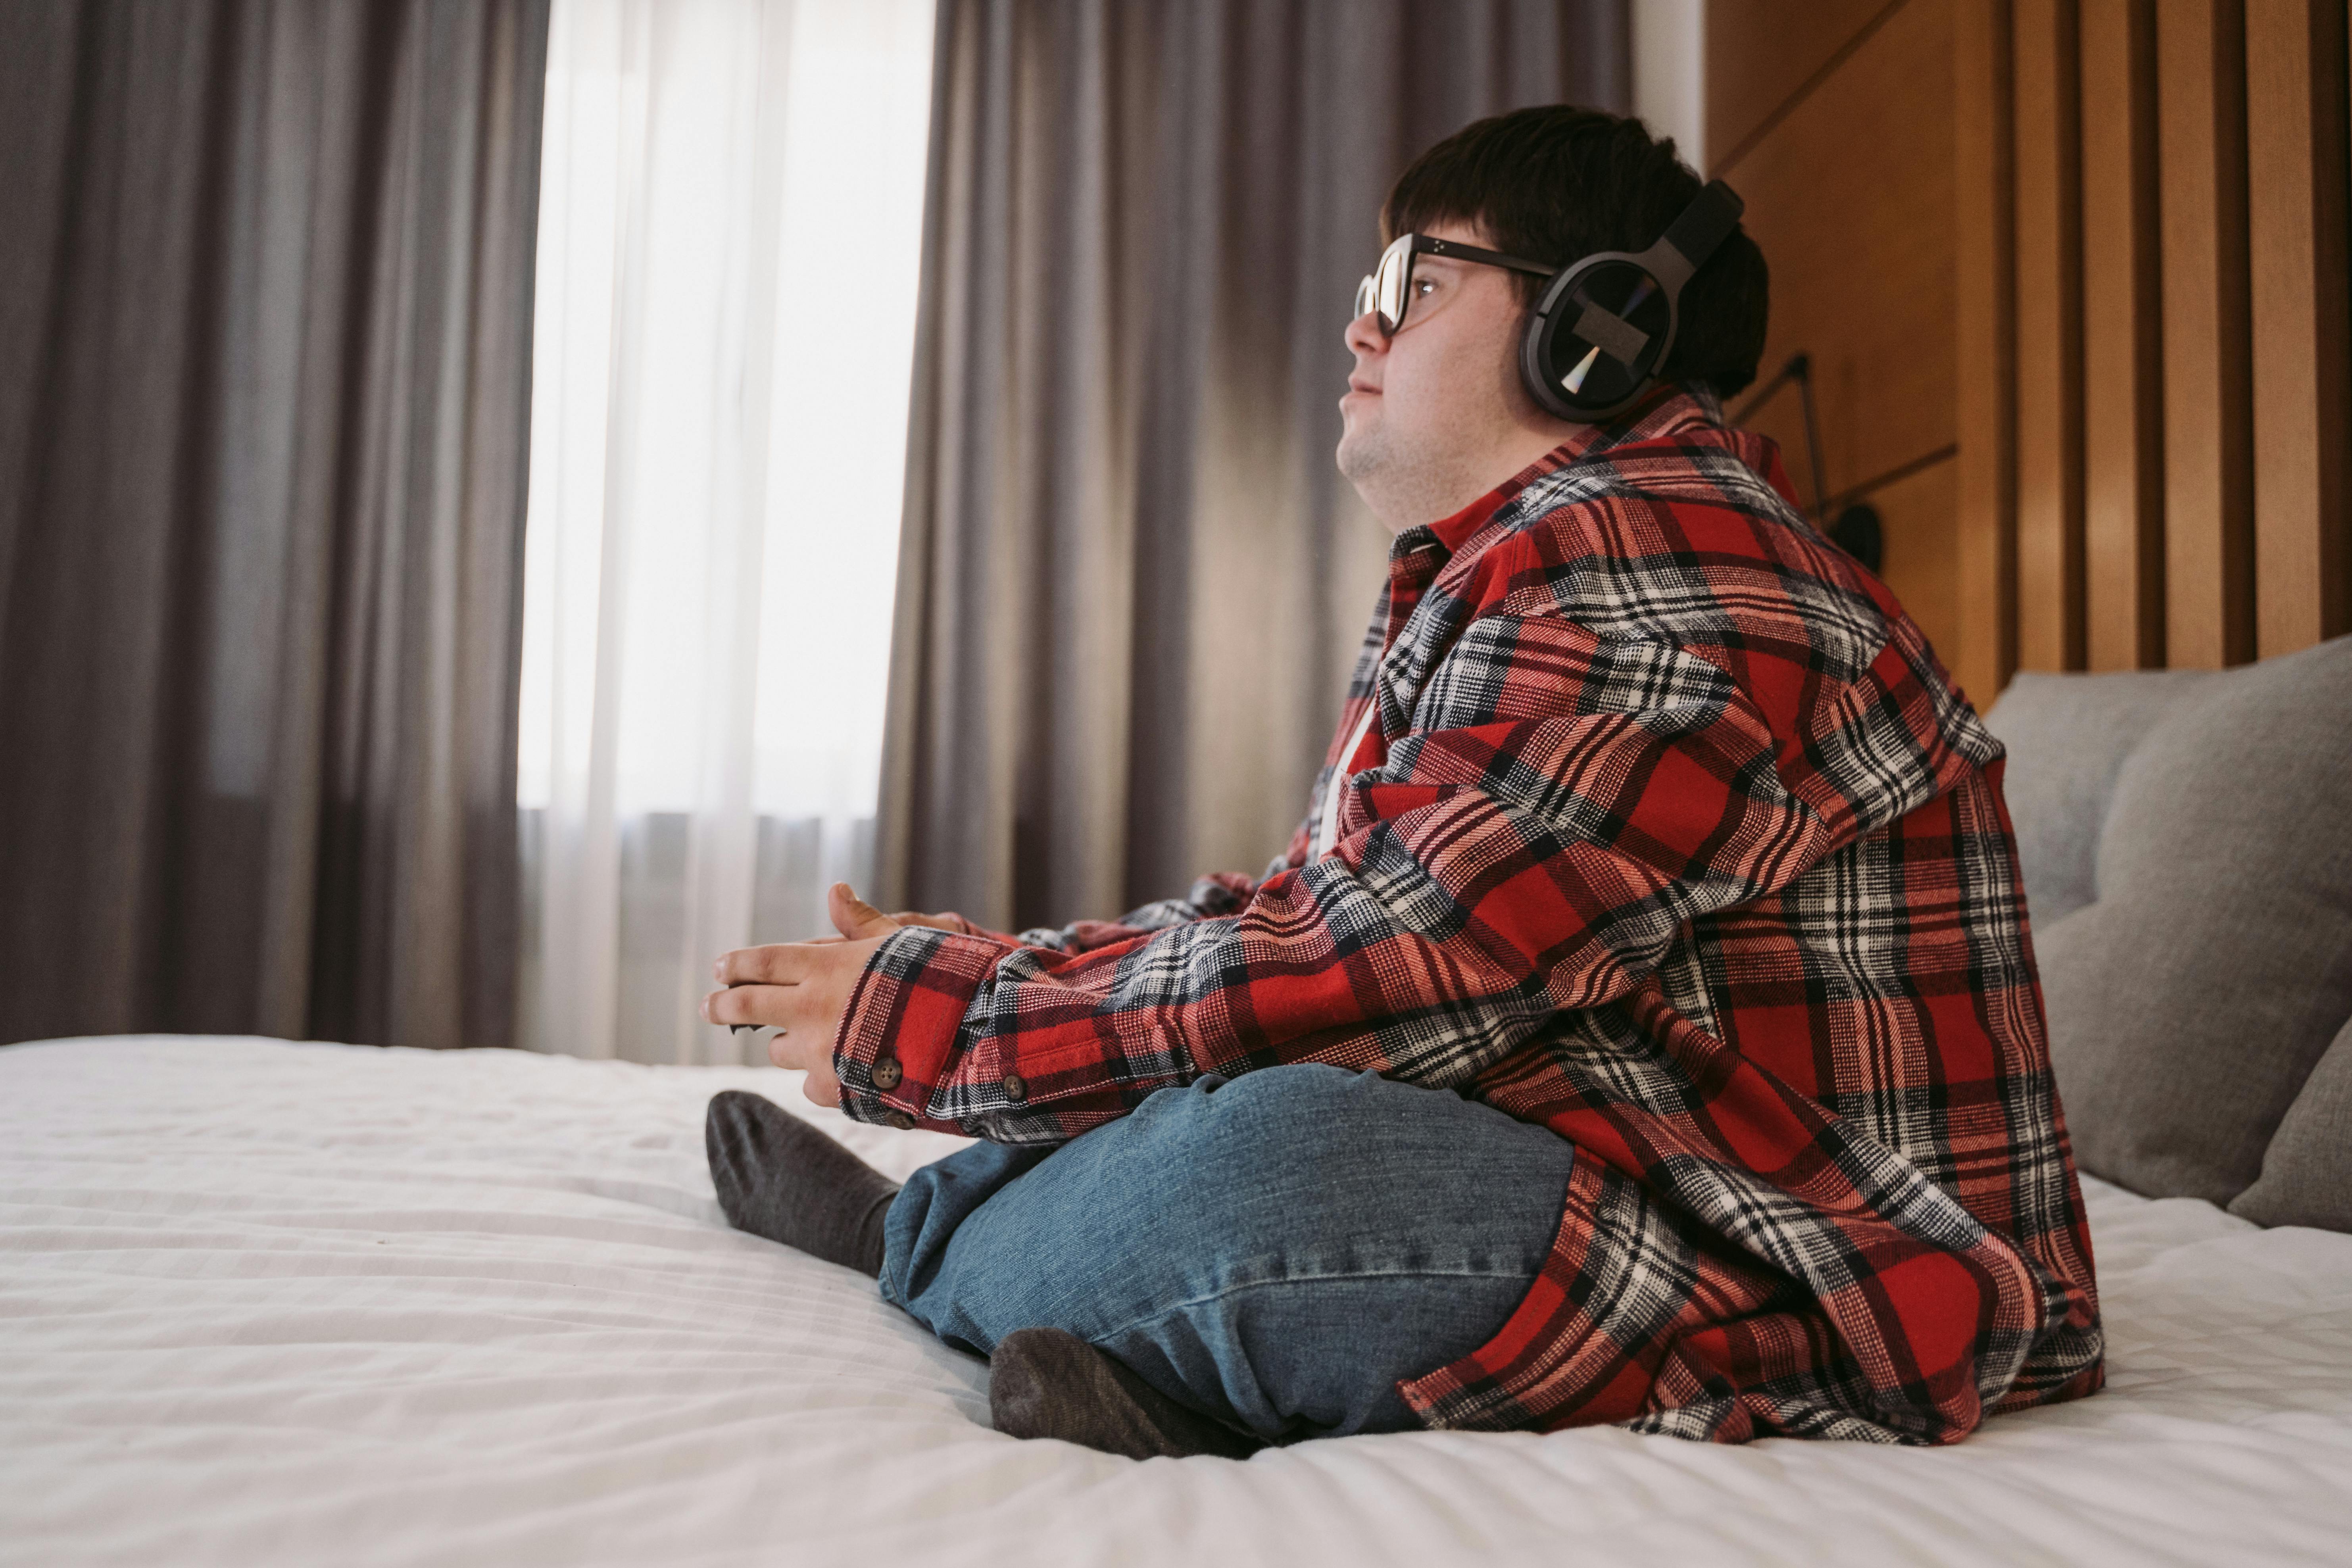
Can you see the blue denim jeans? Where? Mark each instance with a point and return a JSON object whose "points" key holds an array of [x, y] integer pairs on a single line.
{"points": [[1275, 1251]]}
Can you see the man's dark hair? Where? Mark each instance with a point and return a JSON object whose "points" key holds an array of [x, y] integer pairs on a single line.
{"points": [[1554, 185]]}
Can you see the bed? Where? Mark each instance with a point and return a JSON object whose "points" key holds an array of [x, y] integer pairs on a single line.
{"points": [[265, 1303]]}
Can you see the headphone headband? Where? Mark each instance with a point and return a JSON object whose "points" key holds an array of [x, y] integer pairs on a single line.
{"points": [[1706, 223]]}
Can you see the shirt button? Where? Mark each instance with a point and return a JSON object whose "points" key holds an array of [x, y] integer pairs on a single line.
{"points": [[887, 1072], [1014, 1089], [899, 1119]]}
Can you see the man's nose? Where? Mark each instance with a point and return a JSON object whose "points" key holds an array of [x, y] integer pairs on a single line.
{"points": [[1364, 334]]}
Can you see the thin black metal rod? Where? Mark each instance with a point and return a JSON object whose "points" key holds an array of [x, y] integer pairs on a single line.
{"points": [[1763, 394], [1814, 442], [1799, 369]]}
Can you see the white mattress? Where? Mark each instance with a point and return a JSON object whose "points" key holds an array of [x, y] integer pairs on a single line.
{"points": [[273, 1303]]}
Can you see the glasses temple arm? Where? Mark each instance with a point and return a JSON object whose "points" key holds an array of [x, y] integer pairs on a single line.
{"points": [[1428, 246]]}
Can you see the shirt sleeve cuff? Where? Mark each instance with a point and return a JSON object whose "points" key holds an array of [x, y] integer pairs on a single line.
{"points": [[898, 1033]]}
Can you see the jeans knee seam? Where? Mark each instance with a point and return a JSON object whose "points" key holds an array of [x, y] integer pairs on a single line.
{"points": [[1214, 1296]]}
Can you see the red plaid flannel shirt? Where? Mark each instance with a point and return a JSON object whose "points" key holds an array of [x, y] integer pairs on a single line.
{"points": [[1671, 834]]}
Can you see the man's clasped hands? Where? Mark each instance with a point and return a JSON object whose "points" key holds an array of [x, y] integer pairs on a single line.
{"points": [[800, 988]]}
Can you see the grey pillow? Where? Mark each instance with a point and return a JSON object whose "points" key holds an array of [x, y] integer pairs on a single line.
{"points": [[2189, 1002], [2307, 1171], [2067, 737]]}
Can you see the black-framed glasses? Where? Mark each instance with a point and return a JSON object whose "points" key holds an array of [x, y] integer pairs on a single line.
{"points": [[1388, 290]]}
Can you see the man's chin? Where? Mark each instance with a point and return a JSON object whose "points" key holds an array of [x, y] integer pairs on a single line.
{"points": [[1360, 453]]}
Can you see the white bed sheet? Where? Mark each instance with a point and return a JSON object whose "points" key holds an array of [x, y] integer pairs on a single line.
{"points": [[272, 1303]]}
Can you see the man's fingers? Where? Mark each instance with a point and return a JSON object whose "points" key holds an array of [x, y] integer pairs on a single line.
{"points": [[761, 1007], [732, 1006], [820, 1086], [806, 1051], [781, 963], [853, 917], [798, 987]]}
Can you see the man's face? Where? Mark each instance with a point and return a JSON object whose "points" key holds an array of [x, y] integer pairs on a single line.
{"points": [[1446, 386]]}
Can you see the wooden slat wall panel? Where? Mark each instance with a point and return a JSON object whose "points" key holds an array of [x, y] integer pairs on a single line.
{"points": [[2207, 390], [1760, 54], [2049, 197], [2295, 140], [1852, 187], [2150, 277], [1986, 650], [2123, 403], [1919, 513]]}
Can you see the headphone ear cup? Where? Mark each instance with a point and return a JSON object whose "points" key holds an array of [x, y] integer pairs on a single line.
{"points": [[1536, 373], [1596, 339], [1535, 362]]}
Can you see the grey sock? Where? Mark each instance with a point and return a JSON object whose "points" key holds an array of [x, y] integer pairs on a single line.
{"points": [[1046, 1382], [780, 1178]]}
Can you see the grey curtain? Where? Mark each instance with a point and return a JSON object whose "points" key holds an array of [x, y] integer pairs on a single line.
{"points": [[265, 309], [1131, 581]]}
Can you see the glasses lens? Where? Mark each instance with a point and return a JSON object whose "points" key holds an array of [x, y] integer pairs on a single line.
{"points": [[1364, 292], [1395, 274]]}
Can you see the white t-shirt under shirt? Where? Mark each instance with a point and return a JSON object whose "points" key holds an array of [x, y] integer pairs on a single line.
{"points": [[1327, 832]]}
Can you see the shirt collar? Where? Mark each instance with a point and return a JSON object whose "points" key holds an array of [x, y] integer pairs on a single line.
{"points": [[1667, 409], [1453, 532], [1449, 534]]}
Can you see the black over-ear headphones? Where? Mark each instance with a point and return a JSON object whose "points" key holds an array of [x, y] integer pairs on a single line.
{"points": [[1604, 325]]}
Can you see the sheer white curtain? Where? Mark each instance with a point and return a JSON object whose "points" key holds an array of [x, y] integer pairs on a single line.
{"points": [[730, 212]]}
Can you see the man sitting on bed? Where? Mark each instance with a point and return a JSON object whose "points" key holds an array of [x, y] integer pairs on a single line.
{"points": [[1641, 1026]]}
